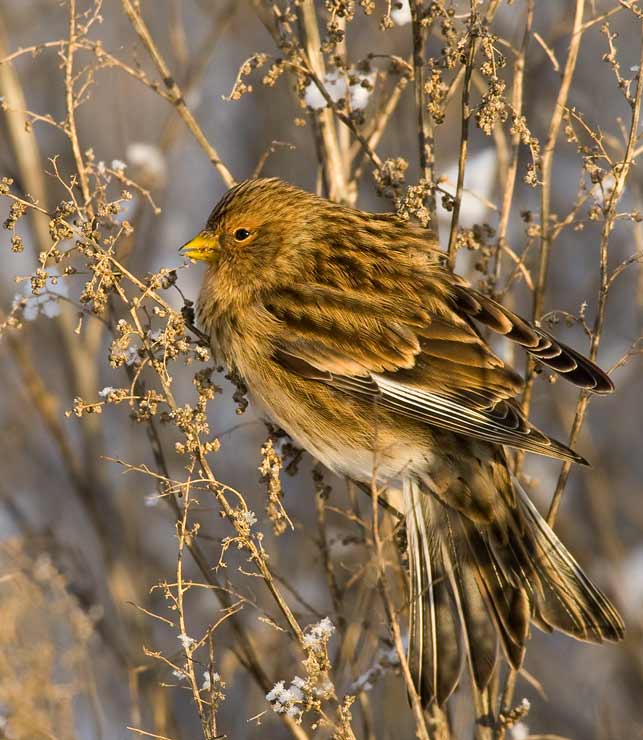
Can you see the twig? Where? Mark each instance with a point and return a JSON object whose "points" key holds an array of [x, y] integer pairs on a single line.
{"points": [[621, 171], [132, 10], [548, 51], [332, 160], [71, 110], [516, 101], [464, 143], [425, 127], [545, 196]]}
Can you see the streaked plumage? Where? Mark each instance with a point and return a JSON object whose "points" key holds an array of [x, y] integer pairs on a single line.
{"points": [[352, 334]]}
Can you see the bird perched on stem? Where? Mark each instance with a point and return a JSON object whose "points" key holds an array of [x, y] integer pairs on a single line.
{"points": [[353, 335]]}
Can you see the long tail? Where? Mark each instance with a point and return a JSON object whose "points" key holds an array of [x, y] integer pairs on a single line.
{"points": [[474, 589]]}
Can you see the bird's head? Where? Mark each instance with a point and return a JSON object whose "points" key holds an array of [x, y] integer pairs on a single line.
{"points": [[260, 231]]}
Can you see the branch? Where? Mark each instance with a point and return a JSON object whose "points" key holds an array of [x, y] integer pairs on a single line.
{"points": [[132, 10], [545, 199], [464, 143], [622, 170]]}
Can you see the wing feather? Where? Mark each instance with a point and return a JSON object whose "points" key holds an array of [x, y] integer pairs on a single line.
{"points": [[433, 367], [539, 343]]}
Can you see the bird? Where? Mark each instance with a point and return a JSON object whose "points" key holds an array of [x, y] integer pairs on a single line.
{"points": [[353, 334]]}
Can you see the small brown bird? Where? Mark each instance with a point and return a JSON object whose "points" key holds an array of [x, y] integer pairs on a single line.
{"points": [[353, 335]]}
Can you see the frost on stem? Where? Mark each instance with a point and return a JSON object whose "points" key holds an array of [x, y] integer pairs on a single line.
{"points": [[318, 635], [289, 700], [304, 695], [186, 641], [387, 659]]}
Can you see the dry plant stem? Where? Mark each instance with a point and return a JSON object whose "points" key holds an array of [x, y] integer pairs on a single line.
{"points": [[195, 72], [70, 123], [306, 67], [358, 153], [505, 701], [333, 586], [87, 380], [482, 705], [133, 12], [608, 223], [25, 149], [212, 718], [87, 477], [182, 532], [546, 237], [425, 127], [492, 8], [464, 144], [343, 132], [516, 101], [546, 174], [256, 555], [143, 733], [27, 157], [604, 16], [548, 51], [181, 588], [28, 160], [621, 173], [332, 162], [245, 651], [420, 723], [243, 647], [363, 142]]}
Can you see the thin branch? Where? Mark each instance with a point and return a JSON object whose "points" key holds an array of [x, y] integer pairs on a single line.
{"points": [[516, 101], [332, 160], [132, 10], [622, 170], [545, 196], [424, 124], [464, 144], [71, 110]]}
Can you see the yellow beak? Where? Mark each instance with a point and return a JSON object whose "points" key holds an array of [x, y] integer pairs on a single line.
{"points": [[204, 246]]}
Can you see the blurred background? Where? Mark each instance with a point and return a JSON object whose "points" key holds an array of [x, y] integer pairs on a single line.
{"points": [[82, 542]]}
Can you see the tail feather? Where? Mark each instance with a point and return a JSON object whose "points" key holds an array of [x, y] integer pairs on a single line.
{"points": [[434, 646], [583, 610], [474, 587], [503, 594], [478, 627]]}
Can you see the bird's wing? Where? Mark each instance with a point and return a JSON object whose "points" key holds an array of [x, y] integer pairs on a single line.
{"points": [[433, 367], [564, 360]]}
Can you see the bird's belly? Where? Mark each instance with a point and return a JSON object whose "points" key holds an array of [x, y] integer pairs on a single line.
{"points": [[360, 448]]}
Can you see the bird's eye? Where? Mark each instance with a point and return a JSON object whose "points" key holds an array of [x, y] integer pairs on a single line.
{"points": [[241, 234]]}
